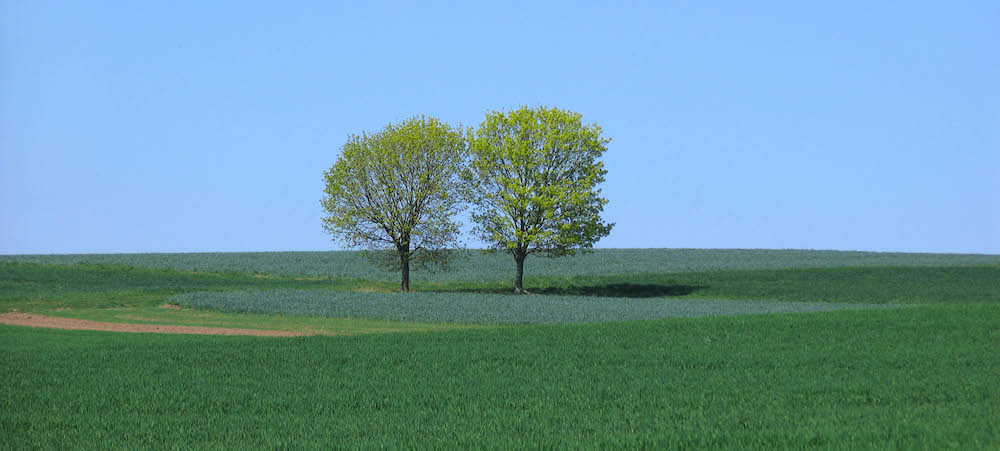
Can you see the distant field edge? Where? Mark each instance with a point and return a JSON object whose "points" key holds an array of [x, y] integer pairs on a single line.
{"points": [[473, 265]]}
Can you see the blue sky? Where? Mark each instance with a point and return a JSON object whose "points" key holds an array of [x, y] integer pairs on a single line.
{"points": [[206, 126]]}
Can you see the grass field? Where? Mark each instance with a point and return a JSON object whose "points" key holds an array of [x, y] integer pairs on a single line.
{"points": [[913, 378], [920, 376]]}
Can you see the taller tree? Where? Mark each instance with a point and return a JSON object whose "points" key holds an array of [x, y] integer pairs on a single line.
{"points": [[533, 182]]}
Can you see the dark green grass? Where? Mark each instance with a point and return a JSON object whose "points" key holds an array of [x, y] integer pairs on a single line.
{"points": [[922, 377], [32, 286], [473, 308], [477, 267], [880, 285]]}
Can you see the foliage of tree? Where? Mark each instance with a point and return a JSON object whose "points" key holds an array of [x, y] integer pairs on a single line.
{"points": [[532, 181], [395, 193]]}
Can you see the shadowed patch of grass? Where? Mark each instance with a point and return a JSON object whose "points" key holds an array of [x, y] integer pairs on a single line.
{"points": [[878, 285], [619, 289]]}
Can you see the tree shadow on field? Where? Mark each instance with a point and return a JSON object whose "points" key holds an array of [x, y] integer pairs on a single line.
{"points": [[622, 290], [611, 290]]}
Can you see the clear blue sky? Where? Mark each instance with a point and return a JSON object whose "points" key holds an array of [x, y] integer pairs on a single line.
{"points": [[205, 126]]}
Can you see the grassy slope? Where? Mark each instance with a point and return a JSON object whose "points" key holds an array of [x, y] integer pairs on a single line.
{"points": [[34, 287], [133, 295], [922, 377]]}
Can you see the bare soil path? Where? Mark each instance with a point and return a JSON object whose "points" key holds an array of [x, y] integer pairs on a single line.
{"points": [[53, 322]]}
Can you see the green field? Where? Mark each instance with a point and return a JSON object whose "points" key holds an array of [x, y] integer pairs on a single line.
{"points": [[912, 363]]}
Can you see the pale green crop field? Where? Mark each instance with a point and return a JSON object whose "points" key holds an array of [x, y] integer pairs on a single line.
{"points": [[476, 266]]}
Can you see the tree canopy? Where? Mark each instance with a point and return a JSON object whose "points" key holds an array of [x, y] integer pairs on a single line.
{"points": [[532, 181], [396, 192]]}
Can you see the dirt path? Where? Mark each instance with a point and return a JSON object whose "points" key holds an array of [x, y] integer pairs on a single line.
{"points": [[53, 322]]}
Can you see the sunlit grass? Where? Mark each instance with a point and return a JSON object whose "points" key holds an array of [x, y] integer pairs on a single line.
{"points": [[187, 317], [913, 378], [29, 287]]}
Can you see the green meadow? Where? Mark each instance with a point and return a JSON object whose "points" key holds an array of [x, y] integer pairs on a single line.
{"points": [[638, 348]]}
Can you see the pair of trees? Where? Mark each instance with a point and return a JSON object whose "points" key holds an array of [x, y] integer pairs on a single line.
{"points": [[530, 176]]}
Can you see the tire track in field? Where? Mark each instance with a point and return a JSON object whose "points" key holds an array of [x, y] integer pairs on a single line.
{"points": [[54, 322]]}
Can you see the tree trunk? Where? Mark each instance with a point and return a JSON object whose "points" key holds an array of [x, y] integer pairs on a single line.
{"points": [[519, 280], [404, 284]]}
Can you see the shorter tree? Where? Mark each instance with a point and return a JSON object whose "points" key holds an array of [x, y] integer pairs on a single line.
{"points": [[532, 180], [396, 193]]}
